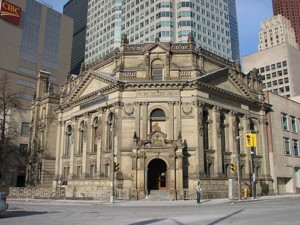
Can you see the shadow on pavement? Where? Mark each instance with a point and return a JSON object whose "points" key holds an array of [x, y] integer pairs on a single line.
{"points": [[225, 217], [155, 221], [11, 214]]}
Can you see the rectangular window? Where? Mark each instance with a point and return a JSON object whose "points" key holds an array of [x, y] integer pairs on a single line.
{"points": [[25, 129], [296, 147], [286, 146], [284, 63], [79, 171], [66, 172], [23, 149], [92, 170], [294, 124], [279, 65], [273, 67], [157, 74], [284, 122]]}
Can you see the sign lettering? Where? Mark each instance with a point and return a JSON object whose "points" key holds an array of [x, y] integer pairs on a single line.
{"points": [[10, 12]]}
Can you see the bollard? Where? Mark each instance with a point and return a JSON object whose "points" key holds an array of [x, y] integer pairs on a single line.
{"points": [[245, 193]]}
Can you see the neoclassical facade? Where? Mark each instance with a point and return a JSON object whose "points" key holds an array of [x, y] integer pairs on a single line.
{"points": [[158, 116]]}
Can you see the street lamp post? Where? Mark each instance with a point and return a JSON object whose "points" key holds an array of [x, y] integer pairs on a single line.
{"points": [[238, 166], [252, 178], [112, 159]]}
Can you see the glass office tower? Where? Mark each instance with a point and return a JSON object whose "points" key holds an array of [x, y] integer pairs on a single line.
{"points": [[212, 23]]}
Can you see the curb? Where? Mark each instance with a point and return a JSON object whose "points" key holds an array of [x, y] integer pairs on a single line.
{"points": [[147, 203]]}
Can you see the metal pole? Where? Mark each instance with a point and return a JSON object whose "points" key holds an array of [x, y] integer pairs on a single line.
{"points": [[238, 166], [253, 174], [112, 159], [239, 175]]}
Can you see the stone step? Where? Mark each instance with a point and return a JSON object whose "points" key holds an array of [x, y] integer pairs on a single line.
{"points": [[158, 195]]}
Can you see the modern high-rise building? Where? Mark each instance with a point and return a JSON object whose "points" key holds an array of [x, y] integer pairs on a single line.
{"points": [[234, 33], [40, 41], [33, 38], [277, 60], [77, 10], [275, 31], [212, 23], [289, 9]]}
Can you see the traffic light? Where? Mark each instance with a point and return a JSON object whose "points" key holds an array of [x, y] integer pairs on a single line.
{"points": [[233, 167], [116, 167], [249, 140]]}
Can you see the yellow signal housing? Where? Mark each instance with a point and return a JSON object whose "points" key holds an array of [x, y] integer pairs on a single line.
{"points": [[250, 140]]}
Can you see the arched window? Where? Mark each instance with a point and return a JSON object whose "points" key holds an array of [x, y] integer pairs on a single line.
{"points": [[68, 141], [95, 135], [157, 120], [81, 137], [157, 70]]}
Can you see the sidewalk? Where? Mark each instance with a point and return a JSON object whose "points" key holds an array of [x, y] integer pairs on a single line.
{"points": [[145, 202]]}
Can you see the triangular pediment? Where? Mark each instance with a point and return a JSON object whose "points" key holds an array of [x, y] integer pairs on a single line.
{"points": [[158, 48], [91, 83], [157, 138], [223, 79], [92, 86], [226, 84]]}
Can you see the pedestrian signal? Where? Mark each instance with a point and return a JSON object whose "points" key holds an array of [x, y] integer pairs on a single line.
{"points": [[116, 167], [233, 167]]}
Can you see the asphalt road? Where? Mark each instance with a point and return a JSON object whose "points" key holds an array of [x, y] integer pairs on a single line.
{"points": [[267, 212]]}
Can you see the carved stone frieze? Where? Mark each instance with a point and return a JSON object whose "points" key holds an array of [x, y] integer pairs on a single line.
{"points": [[129, 110], [200, 122], [158, 93], [187, 108]]}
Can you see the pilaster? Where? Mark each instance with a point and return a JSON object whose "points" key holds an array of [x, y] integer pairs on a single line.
{"points": [[218, 170]]}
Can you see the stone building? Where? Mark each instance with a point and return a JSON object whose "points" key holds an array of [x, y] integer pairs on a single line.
{"points": [[162, 116]]}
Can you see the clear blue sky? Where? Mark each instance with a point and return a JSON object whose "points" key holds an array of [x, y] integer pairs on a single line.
{"points": [[250, 13]]}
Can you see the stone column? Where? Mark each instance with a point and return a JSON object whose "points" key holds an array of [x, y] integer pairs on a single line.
{"points": [[201, 151], [75, 147], [99, 146], [141, 176], [179, 174], [216, 133], [103, 140], [134, 157], [244, 149], [144, 121], [177, 119], [171, 121], [86, 144], [60, 147], [262, 146], [137, 119]]}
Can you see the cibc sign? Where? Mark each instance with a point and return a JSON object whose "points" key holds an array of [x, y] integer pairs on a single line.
{"points": [[10, 12]]}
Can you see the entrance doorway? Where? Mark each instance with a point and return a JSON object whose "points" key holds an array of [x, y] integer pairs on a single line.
{"points": [[157, 175]]}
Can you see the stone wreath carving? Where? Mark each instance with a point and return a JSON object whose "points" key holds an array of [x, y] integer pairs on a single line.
{"points": [[187, 109], [129, 109]]}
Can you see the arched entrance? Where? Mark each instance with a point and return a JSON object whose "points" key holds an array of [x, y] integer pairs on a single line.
{"points": [[157, 175]]}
